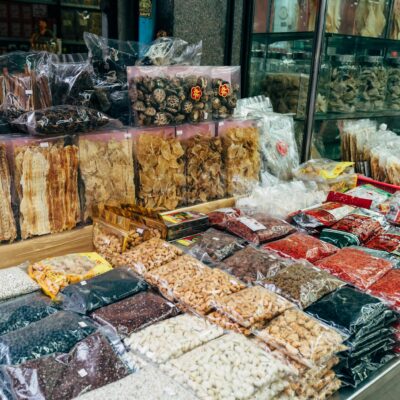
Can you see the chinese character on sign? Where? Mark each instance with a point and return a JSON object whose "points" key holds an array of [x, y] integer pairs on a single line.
{"points": [[224, 90], [196, 93]]}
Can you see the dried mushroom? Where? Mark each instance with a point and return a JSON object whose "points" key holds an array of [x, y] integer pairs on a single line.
{"points": [[204, 169], [225, 97], [241, 158], [161, 171], [107, 171]]}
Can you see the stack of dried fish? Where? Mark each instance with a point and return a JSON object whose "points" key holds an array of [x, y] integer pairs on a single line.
{"points": [[8, 231], [370, 17], [107, 169], [47, 174]]}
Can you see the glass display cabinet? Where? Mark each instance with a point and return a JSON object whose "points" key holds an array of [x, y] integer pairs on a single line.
{"points": [[325, 61]]}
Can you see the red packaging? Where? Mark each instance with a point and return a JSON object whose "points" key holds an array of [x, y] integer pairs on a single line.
{"points": [[220, 217], [389, 241], [355, 267], [388, 289], [259, 228], [393, 214], [302, 246], [322, 215]]}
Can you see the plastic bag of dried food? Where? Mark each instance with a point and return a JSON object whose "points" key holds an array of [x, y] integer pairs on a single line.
{"points": [[302, 246], [60, 120], [100, 291], [355, 229], [170, 95], [90, 364], [149, 255], [56, 333], [16, 282], [351, 311], [302, 284], [53, 274], [388, 240], [322, 215], [374, 195], [217, 245], [355, 267], [303, 338], [226, 323], [219, 218], [252, 307], [259, 228], [173, 337], [395, 260], [251, 265], [24, 310], [387, 289], [393, 214], [135, 313]]}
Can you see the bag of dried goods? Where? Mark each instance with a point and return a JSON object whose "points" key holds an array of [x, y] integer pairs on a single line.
{"points": [[393, 213], [226, 323], [302, 246], [218, 218], [355, 267], [388, 240], [53, 274], [387, 289], [395, 260], [355, 229]]}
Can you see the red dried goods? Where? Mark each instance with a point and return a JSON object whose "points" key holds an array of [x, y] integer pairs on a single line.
{"points": [[388, 288], [220, 217], [387, 241], [356, 267], [302, 246]]}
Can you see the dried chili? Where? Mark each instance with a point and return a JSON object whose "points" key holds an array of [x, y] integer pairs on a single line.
{"points": [[387, 241], [388, 289]]}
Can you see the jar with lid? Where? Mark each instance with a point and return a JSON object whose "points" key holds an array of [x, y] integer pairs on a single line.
{"points": [[372, 82], [393, 84], [343, 85]]}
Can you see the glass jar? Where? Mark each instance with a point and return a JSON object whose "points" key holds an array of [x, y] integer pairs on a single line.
{"points": [[393, 84], [343, 84], [372, 82]]}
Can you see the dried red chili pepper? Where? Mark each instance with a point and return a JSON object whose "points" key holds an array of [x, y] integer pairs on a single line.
{"points": [[220, 217], [387, 241], [388, 289]]}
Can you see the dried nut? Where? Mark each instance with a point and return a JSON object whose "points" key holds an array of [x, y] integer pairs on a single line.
{"points": [[226, 323]]}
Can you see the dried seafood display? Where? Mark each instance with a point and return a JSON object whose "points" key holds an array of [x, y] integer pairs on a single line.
{"points": [[333, 16], [47, 173], [242, 161], [107, 169], [161, 169], [370, 17], [169, 95], [395, 30], [8, 230], [393, 84]]}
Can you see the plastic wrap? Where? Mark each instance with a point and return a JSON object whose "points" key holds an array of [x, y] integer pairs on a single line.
{"points": [[233, 354], [355, 267], [100, 291], [216, 245], [393, 214], [302, 284], [302, 246], [322, 215], [388, 240], [369, 192], [161, 169], [302, 337], [203, 163], [54, 274], [259, 228], [187, 242], [251, 265], [90, 364], [171, 338], [16, 282], [387, 289], [135, 313], [170, 95], [241, 154], [219, 218], [252, 307], [56, 333], [395, 260], [355, 229], [60, 120], [149, 255], [226, 323]]}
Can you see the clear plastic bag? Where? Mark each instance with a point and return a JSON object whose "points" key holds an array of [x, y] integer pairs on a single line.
{"points": [[369, 192], [355, 267], [90, 364], [302, 246], [216, 245], [15, 282], [60, 120], [355, 229], [303, 338], [393, 214], [219, 218], [170, 95], [56, 333], [173, 337], [135, 313], [395, 260], [252, 307], [259, 228], [226, 323], [100, 291], [387, 289], [388, 240], [53, 274], [302, 284], [251, 265]]}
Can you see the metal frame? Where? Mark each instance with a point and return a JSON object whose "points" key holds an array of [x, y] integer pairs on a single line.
{"points": [[247, 30]]}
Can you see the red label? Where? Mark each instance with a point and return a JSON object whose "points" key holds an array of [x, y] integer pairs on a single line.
{"points": [[282, 148], [224, 90], [196, 93]]}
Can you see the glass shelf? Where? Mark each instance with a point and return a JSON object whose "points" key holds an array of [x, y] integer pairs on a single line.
{"points": [[356, 115]]}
